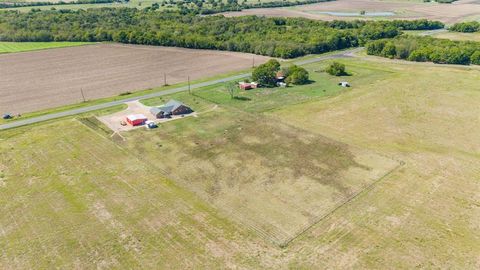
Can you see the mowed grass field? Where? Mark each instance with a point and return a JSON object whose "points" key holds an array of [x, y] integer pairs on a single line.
{"points": [[215, 191], [11, 47], [459, 36]]}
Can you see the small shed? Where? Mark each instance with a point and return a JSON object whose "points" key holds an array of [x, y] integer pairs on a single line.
{"points": [[254, 85], [245, 86], [136, 119], [344, 84]]}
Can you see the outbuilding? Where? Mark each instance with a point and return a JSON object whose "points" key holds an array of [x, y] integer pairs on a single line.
{"points": [[172, 107], [245, 85], [136, 119], [344, 84]]}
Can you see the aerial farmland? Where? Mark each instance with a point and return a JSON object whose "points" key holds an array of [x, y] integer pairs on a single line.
{"points": [[58, 77], [247, 143]]}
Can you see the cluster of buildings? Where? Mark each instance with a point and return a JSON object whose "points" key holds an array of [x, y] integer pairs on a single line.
{"points": [[170, 109]]}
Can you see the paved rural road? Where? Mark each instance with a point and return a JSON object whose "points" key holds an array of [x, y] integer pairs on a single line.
{"points": [[33, 120]]}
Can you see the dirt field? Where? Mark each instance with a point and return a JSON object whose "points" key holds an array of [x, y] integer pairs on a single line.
{"points": [[449, 13], [33, 81]]}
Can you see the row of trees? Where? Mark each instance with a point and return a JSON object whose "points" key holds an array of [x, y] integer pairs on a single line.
{"points": [[466, 27], [427, 49], [212, 7], [277, 37], [37, 4]]}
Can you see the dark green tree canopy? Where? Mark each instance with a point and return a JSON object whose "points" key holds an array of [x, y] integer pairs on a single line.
{"points": [[265, 74], [277, 37], [422, 49]]}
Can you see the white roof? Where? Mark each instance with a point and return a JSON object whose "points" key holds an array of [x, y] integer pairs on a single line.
{"points": [[133, 117]]}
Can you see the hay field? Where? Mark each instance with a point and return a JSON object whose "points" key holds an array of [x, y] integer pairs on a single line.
{"points": [[57, 77], [448, 13], [424, 215], [274, 179], [71, 198]]}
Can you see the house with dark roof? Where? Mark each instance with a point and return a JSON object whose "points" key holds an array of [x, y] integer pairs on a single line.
{"points": [[172, 107]]}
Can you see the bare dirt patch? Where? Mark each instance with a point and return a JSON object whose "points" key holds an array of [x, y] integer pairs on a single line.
{"points": [[448, 13], [44, 79]]}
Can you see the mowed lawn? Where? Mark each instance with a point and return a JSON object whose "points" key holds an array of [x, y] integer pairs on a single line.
{"points": [[226, 189], [11, 47]]}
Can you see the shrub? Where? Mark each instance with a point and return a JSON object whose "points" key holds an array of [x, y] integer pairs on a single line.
{"points": [[467, 27], [475, 58], [336, 69], [296, 75]]}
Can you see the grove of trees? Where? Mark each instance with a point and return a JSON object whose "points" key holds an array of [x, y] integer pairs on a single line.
{"points": [[277, 37], [266, 74], [466, 27], [427, 49]]}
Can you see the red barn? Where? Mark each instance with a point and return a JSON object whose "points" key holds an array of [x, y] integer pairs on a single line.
{"points": [[136, 119]]}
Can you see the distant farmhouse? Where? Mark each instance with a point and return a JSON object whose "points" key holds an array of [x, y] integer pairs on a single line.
{"points": [[172, 107]]}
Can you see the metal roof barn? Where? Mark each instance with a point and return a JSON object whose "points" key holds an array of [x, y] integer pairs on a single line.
{"points": [[136, 119]]}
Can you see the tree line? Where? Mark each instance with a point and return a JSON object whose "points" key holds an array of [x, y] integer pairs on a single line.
{"points": [[466, 27], [277, 37], [427, 49], [38, 4]]}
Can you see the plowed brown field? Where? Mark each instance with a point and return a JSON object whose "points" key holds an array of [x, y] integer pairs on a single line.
{"points": [[50, 78], [448, 13]]}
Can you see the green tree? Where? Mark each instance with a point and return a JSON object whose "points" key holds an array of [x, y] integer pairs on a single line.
{"points": [[389, 50], [296, 75], [231, 88], [265, 73], [475, 58], [336, 69]]}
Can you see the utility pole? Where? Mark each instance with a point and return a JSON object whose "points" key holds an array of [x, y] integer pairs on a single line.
{"points": [[165, 79], [253, 61], [83, 96], [189, 90]]}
